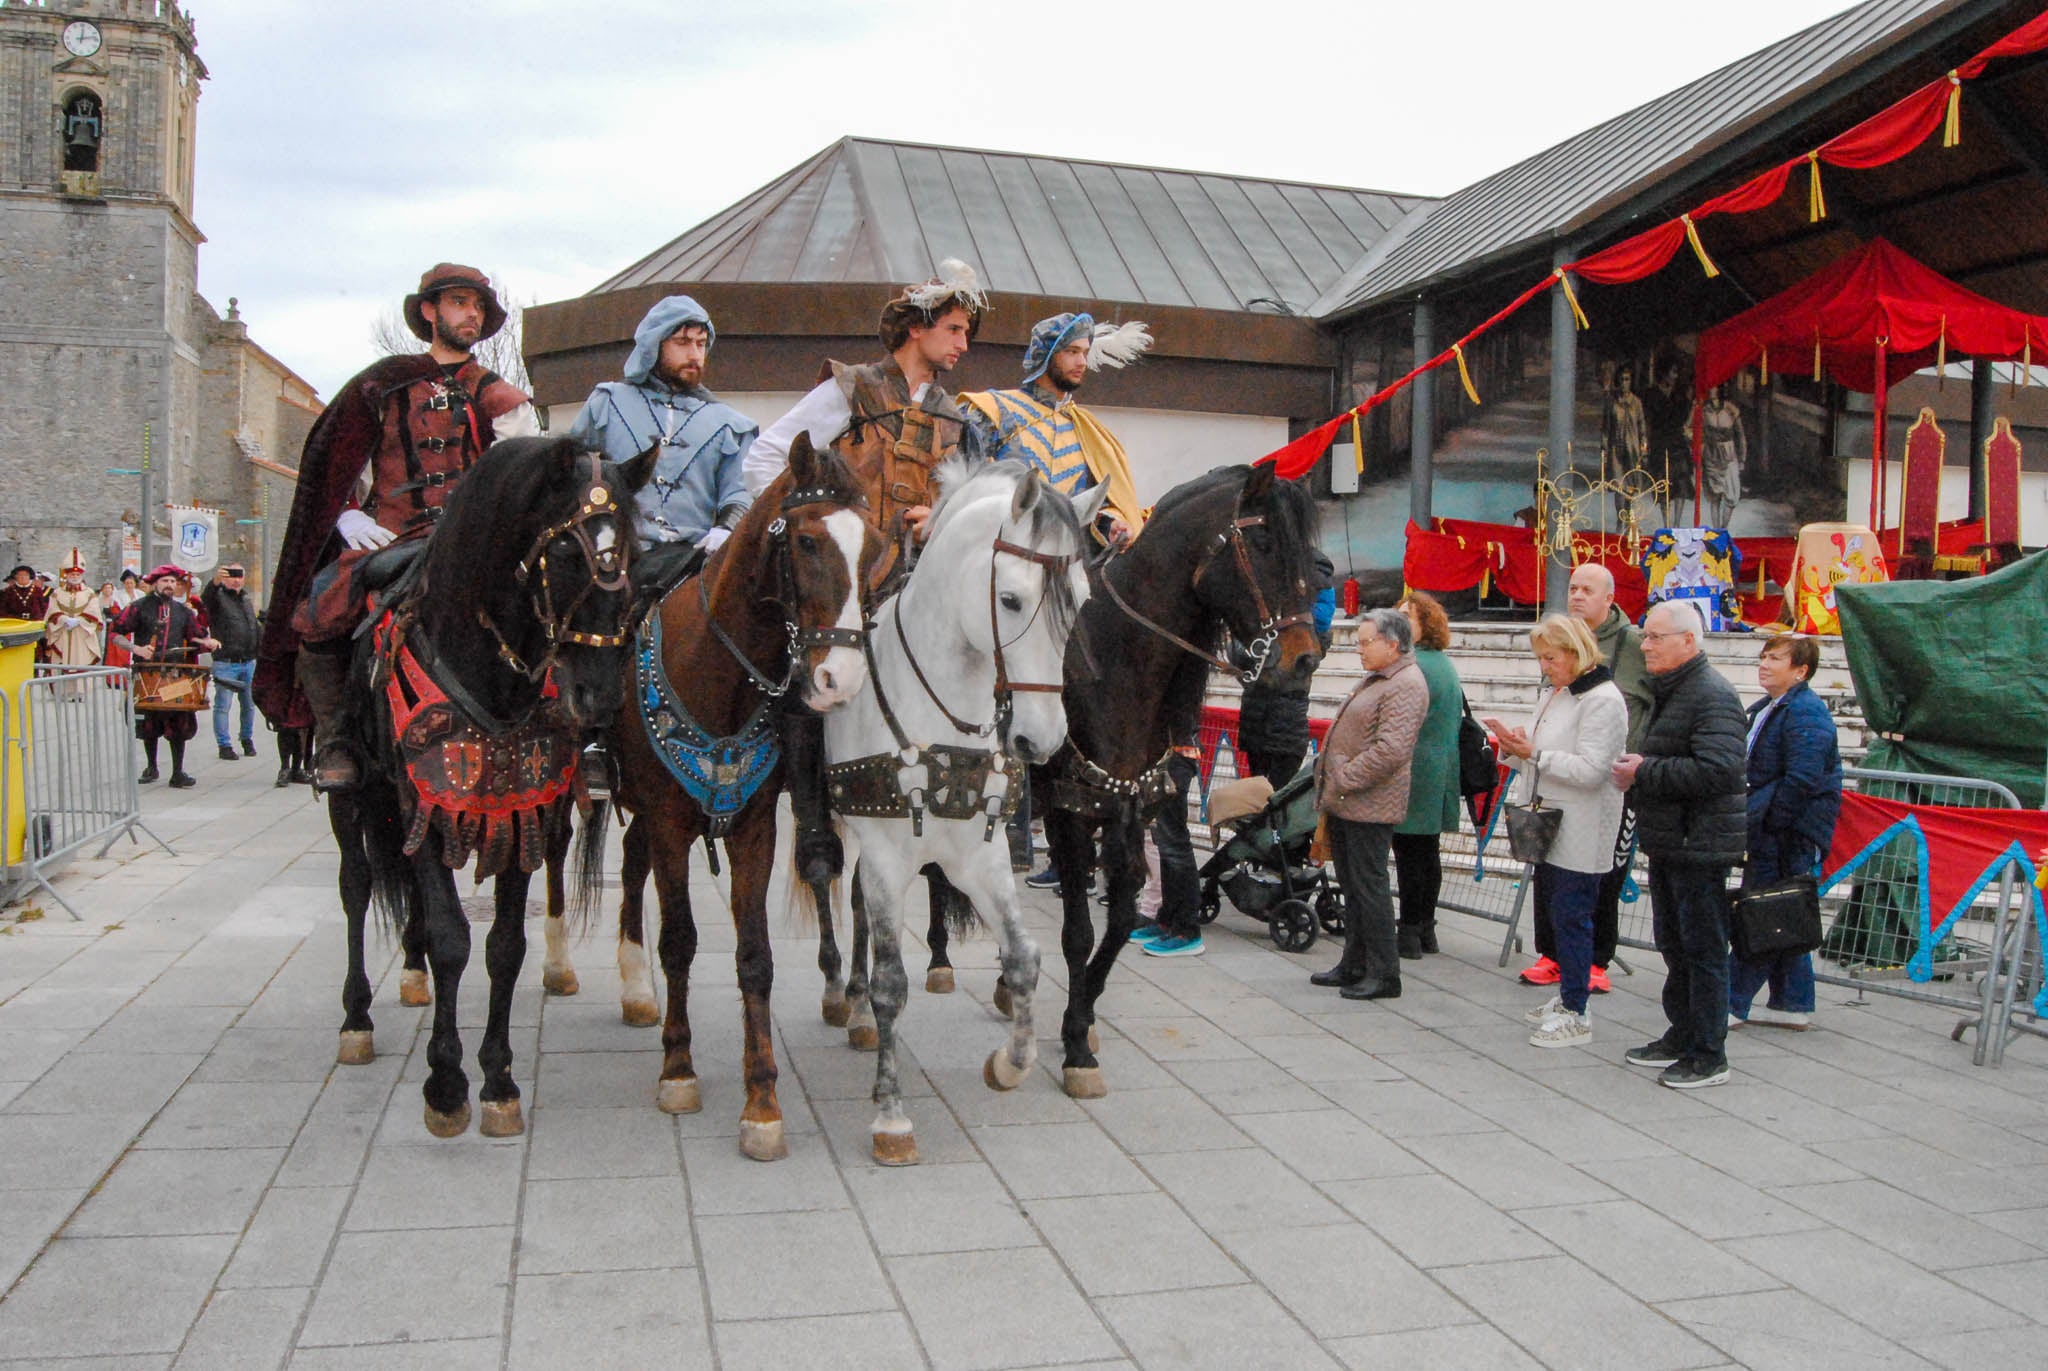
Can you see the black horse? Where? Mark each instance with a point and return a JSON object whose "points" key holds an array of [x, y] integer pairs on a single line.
{"points": [[1232, 549], [506, 644]]}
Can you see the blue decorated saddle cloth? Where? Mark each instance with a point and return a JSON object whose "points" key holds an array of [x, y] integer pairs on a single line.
{"points": [[720, 773]]}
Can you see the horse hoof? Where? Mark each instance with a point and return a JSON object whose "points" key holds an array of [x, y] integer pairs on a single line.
{"points": [[1083, 1083], [998, 1074], [938, 981], [896, 1149], [640, 1011], [448, 1125], [864, 1038], [502, 1119], [679, 1096], [1094, 1041], [562, 982], [413, 989], [357, 1048], [763, 1141], [835, 1009], [1002, 1000]]}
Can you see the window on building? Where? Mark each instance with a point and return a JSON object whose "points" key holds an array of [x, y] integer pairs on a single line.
{"points": [[84, 129]]}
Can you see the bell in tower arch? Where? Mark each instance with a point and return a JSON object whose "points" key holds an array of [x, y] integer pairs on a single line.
{"points": [[82, 130]]}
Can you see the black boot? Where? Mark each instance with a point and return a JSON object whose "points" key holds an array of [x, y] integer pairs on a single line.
{"points": [[180, 779], [1426, 933], [323, 677], [1410, 943], [819, 856]]}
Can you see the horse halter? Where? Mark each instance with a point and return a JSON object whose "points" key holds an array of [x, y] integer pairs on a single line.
{"points": [[800, 638], [608, 568], [1271, 626], [1055, 564]]}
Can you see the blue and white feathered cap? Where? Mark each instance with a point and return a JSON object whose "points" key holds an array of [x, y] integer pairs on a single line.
{"points": [[1110, 345]]}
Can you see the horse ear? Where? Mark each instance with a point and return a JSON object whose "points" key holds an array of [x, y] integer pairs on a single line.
{"points": [[1029, 487], [1089, 503], [1260, 484], [637, 472], [803, 459]]}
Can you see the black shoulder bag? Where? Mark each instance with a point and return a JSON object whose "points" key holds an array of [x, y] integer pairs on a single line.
{"points": [[1478, 769], [1776, 920]]}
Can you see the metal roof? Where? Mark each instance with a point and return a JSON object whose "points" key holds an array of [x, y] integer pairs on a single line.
{"points": [[1547, 196], [869, 211]]}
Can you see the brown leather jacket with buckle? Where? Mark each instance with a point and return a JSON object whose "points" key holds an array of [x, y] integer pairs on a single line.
{"points": [[893, 445]]}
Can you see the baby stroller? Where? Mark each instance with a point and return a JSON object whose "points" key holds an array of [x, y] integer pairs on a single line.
{"points": [[1264, 866]]}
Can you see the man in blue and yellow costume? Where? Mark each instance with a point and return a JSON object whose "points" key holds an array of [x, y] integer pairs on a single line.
{"points": [[1041, 424]]}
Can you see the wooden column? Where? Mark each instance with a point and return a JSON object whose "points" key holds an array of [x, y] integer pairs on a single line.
{"points": [[1564, 400], [1421, 431]]}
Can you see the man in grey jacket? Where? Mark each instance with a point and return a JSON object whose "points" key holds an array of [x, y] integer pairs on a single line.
{"points": [[1691, 798]]}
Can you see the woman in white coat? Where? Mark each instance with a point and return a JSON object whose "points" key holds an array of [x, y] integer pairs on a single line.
{"points": [[1567, 757]]}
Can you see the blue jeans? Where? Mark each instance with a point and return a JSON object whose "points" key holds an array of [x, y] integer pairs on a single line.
{"points": [[231, 683], [1689, 905], [1790, 976], [1568, 897]]}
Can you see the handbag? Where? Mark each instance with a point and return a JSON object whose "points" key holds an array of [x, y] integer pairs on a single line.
{"points": [[1776, 920], [1478, 770], [1532, 827]]}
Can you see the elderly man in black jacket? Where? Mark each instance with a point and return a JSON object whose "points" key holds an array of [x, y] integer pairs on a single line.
{"points": [[1691, 800]]}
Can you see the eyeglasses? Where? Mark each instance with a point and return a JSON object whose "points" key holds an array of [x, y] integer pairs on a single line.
{"points": [[233, 571], [1659, 637]]}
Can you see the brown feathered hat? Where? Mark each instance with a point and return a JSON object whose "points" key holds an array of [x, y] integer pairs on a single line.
{"points": [[449, 276]]}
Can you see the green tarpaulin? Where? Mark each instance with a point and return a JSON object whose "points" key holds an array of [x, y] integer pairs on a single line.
{"points": [[1953, 675]]}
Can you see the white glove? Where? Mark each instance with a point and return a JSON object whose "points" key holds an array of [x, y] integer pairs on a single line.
{"points": [[714, 540], [360, 531], [73, 621]]}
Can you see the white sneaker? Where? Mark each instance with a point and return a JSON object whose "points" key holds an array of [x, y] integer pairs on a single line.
{"points": [[1535, 1017], [1736, 1021], [1563, 1029], [1780, 1018]]}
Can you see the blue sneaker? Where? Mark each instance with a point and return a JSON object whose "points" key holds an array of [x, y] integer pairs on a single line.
{"points": [[1172, 946], [1146, 933], [1048, 879]]}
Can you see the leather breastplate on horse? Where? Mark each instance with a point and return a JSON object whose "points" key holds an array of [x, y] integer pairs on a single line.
{"points": [[893, 445], [1079, 786], [434, 430]]}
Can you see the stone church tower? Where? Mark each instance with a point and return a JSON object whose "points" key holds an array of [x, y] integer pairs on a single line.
{"points": [[108, 356]]}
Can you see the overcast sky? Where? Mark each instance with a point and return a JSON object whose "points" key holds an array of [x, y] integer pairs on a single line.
{"points": [[343, 148]]}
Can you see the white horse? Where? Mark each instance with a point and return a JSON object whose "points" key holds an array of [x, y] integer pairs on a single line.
{"points": [[965, 672]]}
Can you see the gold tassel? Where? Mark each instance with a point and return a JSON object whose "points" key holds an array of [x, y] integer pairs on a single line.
{"points": [[1357, 445], [1816, 199], [1764, 364], [1564, 279], [1816, 356], [1941, 357], [1458, 351], [1692, 235], [1952, 126]]}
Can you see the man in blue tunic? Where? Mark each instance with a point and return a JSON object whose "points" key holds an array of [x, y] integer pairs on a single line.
{"points": [[696, 497]]}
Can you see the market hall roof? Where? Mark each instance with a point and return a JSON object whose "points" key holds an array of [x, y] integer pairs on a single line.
{"points": [[864, 210], [1576, 184]]}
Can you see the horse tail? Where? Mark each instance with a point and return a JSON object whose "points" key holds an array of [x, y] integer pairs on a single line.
{"points": [[952, 903], [588, 866], [805, 915], [392, 887]]}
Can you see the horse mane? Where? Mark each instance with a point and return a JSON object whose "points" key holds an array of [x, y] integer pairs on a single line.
{"points": [[495, 512], [1050, 515]]}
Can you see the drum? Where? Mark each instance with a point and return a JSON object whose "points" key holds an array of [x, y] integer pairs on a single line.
{"points": [[171, 686]]}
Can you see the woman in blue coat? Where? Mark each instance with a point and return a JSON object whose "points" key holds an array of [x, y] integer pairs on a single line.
{"points": [[1795, 795]]}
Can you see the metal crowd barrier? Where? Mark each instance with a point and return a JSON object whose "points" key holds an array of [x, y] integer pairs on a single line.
{"points": [[73, 779]]}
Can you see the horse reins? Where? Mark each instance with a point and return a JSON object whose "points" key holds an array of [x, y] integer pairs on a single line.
{"points": [[608, 572], [800, 637]]}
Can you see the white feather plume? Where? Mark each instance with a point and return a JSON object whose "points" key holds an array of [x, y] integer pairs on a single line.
{"points": [[1118, 345], [955, 284]]}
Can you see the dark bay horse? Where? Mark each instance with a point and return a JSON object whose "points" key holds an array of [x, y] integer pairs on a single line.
{"points": [[474, 696], [1232, 550], [775, 613]]}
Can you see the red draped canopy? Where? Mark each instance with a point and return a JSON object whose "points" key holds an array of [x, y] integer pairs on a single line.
{"points": [[1877, 297]]}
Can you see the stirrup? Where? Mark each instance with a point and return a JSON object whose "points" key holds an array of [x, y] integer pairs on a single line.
{"points": [[337, 770]]}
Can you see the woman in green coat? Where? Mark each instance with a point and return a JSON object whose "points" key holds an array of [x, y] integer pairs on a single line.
{"points": [[1433, 780]]}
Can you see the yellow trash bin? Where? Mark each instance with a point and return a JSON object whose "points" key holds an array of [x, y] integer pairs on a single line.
{"points": [[18, 639]]}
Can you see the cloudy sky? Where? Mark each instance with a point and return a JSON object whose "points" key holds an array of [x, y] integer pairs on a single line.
{"points": [[344, 148]]}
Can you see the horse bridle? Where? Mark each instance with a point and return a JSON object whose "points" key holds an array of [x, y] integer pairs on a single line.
{"points": [[608, 572], [1055, 564], [1271, 626], [801, 639]]}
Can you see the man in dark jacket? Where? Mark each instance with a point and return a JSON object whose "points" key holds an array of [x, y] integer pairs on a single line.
{"points": [[231, 619], [1691, 801]]}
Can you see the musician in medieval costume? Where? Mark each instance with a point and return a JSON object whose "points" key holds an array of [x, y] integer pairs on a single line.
{"points": [[893, 417], [1723, 448], [1040, 422], [415, 423], [697, 495], [71, 629], [162, 627]]}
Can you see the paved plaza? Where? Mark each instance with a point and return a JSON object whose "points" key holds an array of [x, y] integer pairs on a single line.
{"points": [[1278, 1178]]}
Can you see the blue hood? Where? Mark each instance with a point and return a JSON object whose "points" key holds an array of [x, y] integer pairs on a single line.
{"points": [[661, 321]]}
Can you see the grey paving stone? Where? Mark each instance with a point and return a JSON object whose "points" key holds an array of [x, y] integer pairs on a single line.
{"points": [[1433, 1221], [1783, 1330], [938, 1208], [1243, 1189], [1183, 1038], [154, 1362], [463, 1354], [28, 1219], [1789, 1114], [1465, 1076], [605, 1225], [165, 1193], [724, 1180], [1131, 1244], [270, 1054], [764, 1266], [1748, 1153], [96, 1082], [1643, 1252], [192, 1028], [1507, 1172], [1342, 1281], [1628, 1095], [1901, 1222], [244, 1330], [1234, 1329], [1569, 1130], [1567, 1316], [1466, 1347], [2018, 1285], [979, 1310], [1932, 1175], [1037, 1101], [845, 1342], [1054, 1159], [619, 1318], [597, 1080], [849, 1130], [1247, 1085], [78, 1007], [162, 1282], [1974, 1351], [1887, 1294], [415, 1285], [1404, 1109], [1330, 1144], [1175, 1119], [335, 1136], [286, 1243], [1256, 1016], [571, 1144], [1697, 1197], [233, 1114], [71, 1151], [468, 1183], [26, 1053]]}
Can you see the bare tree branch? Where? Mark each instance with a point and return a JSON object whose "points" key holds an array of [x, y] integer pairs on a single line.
{"points": [[501, 352]]}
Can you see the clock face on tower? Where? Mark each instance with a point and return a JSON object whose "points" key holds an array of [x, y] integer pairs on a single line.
{"points": [[81, 38]]}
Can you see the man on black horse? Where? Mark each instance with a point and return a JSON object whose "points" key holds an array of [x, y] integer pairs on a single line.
{"points": [[697, 496], [893, 417], [416, 423]]}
